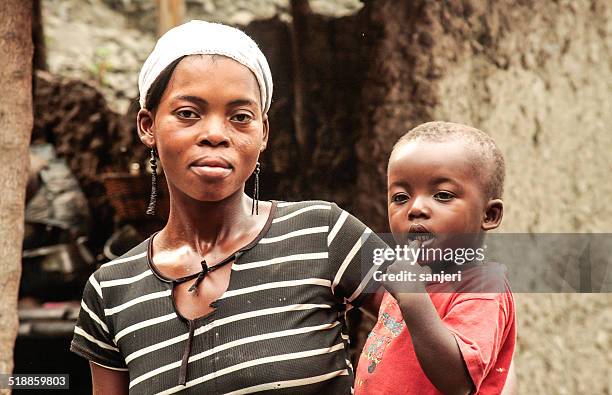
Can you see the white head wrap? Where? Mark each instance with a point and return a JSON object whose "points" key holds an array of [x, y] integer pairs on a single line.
{"points": [[200, 37]]}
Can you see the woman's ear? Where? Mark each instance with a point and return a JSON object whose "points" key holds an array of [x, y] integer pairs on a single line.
{"points": [[266, 130], [494, 212], [144, 124]]}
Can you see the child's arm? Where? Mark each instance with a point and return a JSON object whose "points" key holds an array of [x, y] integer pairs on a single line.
{"points": [[458, 350], [434, 345]]}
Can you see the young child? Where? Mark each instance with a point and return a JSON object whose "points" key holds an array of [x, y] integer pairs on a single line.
{"points": [[445, 184]]}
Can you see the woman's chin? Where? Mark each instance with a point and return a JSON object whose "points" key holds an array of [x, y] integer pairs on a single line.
{"points": [[211, 191], [213, 197], [210, 194]]}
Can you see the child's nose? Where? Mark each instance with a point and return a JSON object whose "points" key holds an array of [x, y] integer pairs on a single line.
{"points": [[419, 209]]}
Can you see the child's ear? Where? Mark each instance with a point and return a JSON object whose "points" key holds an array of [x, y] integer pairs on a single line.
{"points": [[144, 124], [494, 211]]}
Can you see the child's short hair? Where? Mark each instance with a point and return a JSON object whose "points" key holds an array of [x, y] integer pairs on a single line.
{"points": [[488, 156]]}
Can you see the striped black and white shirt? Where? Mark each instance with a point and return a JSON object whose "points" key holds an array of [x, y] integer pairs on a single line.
{"points": [[279, 326]]}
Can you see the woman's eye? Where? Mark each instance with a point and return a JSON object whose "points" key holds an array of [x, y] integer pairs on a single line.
{"points": [[444, 196], [242, 118], [186, 114], [400, 198]]}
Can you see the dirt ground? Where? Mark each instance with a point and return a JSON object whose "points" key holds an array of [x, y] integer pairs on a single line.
{"points": [[536, 75]]}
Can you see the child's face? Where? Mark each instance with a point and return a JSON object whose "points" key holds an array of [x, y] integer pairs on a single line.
{"points": [[432, 188]]}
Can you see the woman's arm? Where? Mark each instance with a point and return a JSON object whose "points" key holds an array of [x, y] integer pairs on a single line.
{"points": [[371, 303], [106, 381]]}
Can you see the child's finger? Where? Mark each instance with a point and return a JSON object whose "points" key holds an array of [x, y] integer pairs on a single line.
{"points": [[415, 244]]}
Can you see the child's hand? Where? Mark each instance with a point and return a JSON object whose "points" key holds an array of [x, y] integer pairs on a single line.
{"points": [[403, 276]]}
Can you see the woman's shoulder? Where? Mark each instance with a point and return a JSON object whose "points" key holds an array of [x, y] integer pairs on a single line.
{"points": [[311, 211], [315, 210], [303, 203], [131, 263]]}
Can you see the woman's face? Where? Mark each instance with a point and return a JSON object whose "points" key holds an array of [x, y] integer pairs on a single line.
{"points": [[208, 128]]}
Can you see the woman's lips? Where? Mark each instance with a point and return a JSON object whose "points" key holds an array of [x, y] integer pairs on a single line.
{"points": [[211, 167], [211, 171]]}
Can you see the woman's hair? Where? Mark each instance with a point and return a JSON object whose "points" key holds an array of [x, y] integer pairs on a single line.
{"points": [[203, 38], [158, 87]]}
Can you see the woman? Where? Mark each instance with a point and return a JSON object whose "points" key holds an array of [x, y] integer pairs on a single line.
{"points": [[232, 295]]}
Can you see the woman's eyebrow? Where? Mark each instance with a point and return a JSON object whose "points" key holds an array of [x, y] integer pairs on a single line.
{"points": [[203, 102], [242, 102], [194, 99]]}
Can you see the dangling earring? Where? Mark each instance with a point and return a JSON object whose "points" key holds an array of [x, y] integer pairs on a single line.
{"points": [[255, 206], [153, 198]]}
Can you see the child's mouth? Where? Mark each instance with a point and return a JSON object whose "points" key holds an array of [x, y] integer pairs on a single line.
{"points": [[422, 237], [420, 233]]}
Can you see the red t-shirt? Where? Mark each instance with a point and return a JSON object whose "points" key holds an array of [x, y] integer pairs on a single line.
{"points": [[484, 326]]}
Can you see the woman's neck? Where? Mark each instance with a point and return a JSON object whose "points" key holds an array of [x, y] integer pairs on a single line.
{"points": [[202, 225]]}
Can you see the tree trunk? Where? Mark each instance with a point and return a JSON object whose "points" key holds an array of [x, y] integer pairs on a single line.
{"points": [[170, 13], [300, 10], [38, 37], [16, 53]]}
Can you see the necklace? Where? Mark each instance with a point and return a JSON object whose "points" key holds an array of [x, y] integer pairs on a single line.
{"points": [[200, 276]]}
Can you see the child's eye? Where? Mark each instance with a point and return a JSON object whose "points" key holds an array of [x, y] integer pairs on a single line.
{"points": [[400, 198], [186, 114], [444, 196], [242, 118]]}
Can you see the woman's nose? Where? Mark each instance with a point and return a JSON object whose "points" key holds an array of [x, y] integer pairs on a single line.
{"points": [[213, 132], [419, 209]]}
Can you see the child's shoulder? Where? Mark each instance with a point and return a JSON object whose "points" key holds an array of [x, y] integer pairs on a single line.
{"points": [[488, 279], [481, 282]]}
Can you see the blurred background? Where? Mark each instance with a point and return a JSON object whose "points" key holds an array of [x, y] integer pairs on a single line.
{"points": [[350, 77]]}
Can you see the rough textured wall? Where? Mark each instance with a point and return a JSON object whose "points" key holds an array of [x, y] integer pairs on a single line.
{"points": [[537, 76], [311, 154], [235, 12], [74, 117], [106, 41], [397, 94]]}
